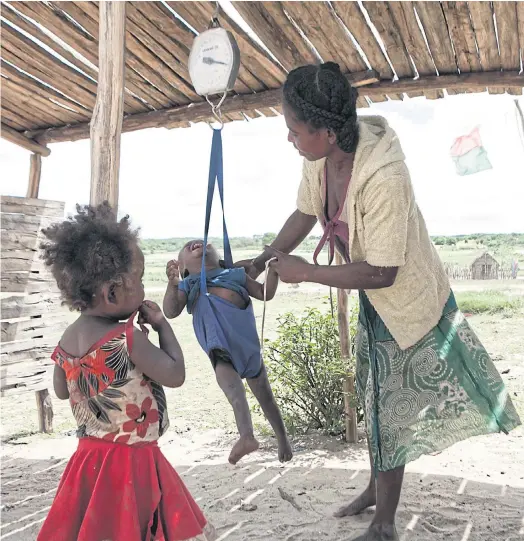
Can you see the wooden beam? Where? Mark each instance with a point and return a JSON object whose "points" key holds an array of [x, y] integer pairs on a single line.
{"points": [[345, 353], [192, 113], [106, 125], [365, 81], [35, 170], [22, 141]]}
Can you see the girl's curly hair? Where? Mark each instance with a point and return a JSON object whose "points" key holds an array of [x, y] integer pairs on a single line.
{"points": [[322, 97], [88, 250]]}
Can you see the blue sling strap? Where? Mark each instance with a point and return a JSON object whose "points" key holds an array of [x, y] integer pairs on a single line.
{"points": [[220, 325]]}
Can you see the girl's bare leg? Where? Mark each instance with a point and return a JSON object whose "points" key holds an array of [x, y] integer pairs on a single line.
{"points": [[262, 390], [233, 387], [367, 499]]}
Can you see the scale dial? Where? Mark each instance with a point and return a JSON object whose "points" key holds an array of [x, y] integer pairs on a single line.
{"points": [[213, 62]]}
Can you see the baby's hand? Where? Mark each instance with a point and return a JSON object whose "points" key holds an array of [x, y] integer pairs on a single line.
{"points": [[173, 272], [151, 314]]}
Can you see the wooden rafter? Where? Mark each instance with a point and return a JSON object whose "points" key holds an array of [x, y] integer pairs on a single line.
{"points": [[18, 139], [272, 98]]}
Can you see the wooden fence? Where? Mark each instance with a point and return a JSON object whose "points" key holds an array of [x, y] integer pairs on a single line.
{"points": [[32, 317]]}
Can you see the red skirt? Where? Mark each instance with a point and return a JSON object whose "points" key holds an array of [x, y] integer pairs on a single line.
{"points": [[115, 492]]}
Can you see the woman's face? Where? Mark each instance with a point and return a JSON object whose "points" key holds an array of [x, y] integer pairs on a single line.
{"points": [[311, 144]]}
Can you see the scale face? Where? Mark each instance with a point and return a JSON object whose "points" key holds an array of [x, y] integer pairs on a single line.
{"points": [[213, 62]]}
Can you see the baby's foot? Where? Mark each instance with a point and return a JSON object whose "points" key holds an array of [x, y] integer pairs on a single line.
{"points": [[244, 446], [285, 451]]}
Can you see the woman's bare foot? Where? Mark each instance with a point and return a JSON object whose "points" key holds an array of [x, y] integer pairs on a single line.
{"points": [[244, 446], [379, 532], [285, 451], [368, 498]]}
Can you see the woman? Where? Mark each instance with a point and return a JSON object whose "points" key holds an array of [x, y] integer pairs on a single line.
{"points": [[423, 378]]}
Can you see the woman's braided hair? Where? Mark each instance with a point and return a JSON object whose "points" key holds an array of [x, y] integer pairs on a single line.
{"points": [[88, 250], [322, 97]]}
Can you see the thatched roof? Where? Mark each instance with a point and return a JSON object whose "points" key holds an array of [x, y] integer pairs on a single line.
{"points": [[389, 49]]}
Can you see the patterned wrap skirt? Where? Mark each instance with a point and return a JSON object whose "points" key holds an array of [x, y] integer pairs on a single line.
{"points": [[117, 492], [440, 391]]}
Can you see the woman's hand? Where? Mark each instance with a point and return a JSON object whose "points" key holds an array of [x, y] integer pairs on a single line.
{"points": [[247, 265], [291, 269], [151, 314], [173, 272]]}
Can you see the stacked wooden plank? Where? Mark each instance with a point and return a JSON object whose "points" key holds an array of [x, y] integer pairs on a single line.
{"points": [[31, 312]]}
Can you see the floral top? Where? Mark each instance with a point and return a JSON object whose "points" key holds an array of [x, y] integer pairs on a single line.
{"points": [[110, 398]]}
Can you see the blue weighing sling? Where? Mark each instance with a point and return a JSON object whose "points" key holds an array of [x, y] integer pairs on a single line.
{"points": [[220, 326]]}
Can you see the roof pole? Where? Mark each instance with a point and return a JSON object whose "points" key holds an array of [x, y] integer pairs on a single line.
{"points": [[106, 124]]}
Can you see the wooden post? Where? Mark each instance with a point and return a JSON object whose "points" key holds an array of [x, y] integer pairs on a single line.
{"points": [[345, 352], [106, 124], [35, 170], [45, 411]]}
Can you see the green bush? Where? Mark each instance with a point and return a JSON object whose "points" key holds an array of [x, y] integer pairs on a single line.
{"points": [[306, 371], [490, 302]]}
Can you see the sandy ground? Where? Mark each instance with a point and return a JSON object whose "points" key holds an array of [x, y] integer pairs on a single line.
{"points": [[471, 492]]}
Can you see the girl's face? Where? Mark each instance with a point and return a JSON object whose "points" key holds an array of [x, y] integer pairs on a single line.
{"points": [[122, 300], [311, 144]]}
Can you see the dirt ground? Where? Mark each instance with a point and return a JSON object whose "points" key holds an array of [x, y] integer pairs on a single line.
{"points": [[471, 492]]}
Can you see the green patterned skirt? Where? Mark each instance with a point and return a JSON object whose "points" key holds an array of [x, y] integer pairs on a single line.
{"points": [[440, 391]]}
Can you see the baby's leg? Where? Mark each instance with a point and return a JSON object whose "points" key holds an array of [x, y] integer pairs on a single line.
{"points": [[233, 388], [262, 390]]}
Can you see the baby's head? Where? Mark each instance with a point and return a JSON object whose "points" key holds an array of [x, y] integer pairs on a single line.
{"points": [[96, 262], [190, 258]]}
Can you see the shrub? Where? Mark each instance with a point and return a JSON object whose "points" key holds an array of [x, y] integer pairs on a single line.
{"points": [[490, 302], [306, 371]]}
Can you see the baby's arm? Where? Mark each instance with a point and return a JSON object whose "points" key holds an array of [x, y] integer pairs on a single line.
{"points": [[175, 300], [165, 364], [60, 383], [256, 289]]}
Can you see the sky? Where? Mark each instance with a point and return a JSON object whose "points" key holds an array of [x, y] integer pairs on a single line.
{"points": [[163, 173]]}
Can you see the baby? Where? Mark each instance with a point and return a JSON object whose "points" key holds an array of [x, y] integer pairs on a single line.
{"points": [[225, 327]]}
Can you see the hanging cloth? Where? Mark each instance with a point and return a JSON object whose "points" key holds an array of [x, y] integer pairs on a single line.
{"points": [[219, 324]]}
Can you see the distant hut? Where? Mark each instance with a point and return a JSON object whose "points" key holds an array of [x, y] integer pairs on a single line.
{"points": [[485, 267]]}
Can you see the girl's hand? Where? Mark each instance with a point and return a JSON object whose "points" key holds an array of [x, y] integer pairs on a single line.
{"points": [[173, 272], [151, 314], [291, 269]]}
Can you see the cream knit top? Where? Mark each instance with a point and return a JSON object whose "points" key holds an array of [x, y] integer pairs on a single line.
{"points": [[386, 229]]}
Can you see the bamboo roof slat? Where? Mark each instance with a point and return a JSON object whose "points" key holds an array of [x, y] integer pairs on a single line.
{"points": [[353, 18], [63, 116], [270, 23], [132, 104], [326, 34], [28, 107], [138, 57], [403, 14], [148, 94], [32, 65], [39, 89], [381, 17], [484, 26], [508, 37], [49, 57], [55, 20]]}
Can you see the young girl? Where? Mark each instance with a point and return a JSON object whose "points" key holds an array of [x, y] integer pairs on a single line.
{"points": [[117, 486], [226, 330]]}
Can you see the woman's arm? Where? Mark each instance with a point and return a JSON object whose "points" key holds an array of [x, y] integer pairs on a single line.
{"points": [[295, 230], [362, 275], [352, 276], [60, 383]]}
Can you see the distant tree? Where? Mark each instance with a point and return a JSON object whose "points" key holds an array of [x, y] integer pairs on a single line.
{"points": [[268, 238]]}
